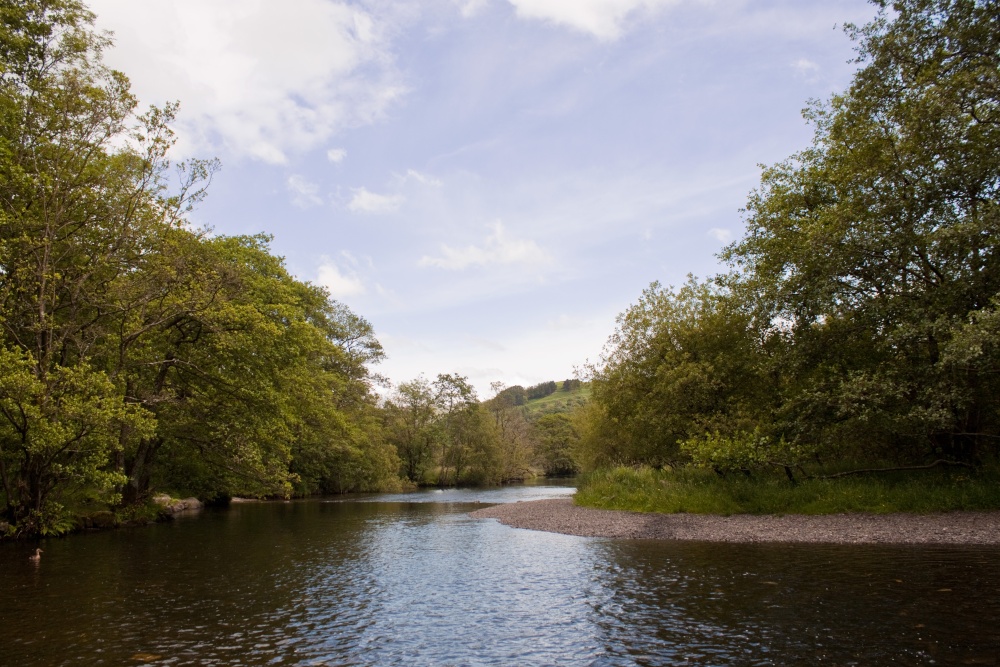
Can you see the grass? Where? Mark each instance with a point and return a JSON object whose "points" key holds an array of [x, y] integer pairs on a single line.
{"points": [[700, 491], [560, 401]]}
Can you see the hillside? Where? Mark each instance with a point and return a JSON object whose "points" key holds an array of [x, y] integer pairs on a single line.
{"points": [[558, 401]]}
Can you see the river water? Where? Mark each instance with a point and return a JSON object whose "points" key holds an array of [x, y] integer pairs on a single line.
{"points": [[411, 580]]}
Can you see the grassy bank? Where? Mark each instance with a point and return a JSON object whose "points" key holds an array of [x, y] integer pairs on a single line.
{"points": [[700, 491]]}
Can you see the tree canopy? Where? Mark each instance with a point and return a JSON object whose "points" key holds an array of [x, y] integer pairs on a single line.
{"points": [[858, 317], [136, 350]]}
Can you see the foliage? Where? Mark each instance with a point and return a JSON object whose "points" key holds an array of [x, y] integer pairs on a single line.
{"points": [[680, 364], [445, 436], [516, 437], [571, 385], [858, 321], [517, 395], [541, 390], [134, 350], [743, 452], [699, 491], [58, 429], [557, 440]]}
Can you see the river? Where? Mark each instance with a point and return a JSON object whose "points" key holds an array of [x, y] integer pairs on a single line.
{"points": [[410, 579]]}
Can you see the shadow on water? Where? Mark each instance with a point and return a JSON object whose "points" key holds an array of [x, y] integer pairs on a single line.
{"points": [[701, 603], [407, 579]]}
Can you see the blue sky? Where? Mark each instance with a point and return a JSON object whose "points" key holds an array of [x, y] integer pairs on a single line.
{"points": [[489, 182]]}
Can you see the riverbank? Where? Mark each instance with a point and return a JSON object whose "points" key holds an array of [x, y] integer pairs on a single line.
{"points": [[691, 490], [562, 516]]}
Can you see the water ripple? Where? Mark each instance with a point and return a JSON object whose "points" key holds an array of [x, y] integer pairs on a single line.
{"points": [[403, 581]]}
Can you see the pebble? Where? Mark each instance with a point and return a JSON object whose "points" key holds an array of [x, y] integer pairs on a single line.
{"points": [[562, 516]]}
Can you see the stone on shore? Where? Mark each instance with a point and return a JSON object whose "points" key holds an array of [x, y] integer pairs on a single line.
{"points": [[174, 505], [562, 516]]}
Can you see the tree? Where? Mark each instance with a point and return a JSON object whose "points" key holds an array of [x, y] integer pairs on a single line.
{"points": [[877, 247], [57, 431], [443, 427], [461, 425], [858, 319], [256, 391], [680, 364], [516, 395], [410, 426], [136, 350], [558, 438], [516, 436], [541, 390], [571, 384], [77, 207]]}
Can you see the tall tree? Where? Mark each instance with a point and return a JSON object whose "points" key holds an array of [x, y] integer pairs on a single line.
{"points": [[134, 349], [77, 206], [461, 421], [877, 246], [558, 438], [516, 441], [680, 364], [859, 317], [411, 418]]}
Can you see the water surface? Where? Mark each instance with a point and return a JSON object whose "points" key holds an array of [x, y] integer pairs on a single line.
{"points": [[410, 579]]}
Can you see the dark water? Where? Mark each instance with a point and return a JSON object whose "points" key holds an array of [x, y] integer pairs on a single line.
{"points": [[411, 580]]}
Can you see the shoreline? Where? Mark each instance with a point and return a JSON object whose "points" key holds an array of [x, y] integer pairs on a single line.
{"points": [[562, 516]]}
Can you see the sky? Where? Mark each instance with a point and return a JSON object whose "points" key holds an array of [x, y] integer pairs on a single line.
{"points": [[488, 182]]}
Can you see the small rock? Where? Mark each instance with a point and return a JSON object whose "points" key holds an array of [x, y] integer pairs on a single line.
{"points": [[172, 505], [192, 504]]}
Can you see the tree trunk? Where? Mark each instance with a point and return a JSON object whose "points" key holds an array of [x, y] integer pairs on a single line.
{"points": [[136, 489]]}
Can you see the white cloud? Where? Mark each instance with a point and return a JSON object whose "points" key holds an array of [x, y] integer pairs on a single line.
{"points": [[254, 78], [470, 8], [341, 283], [498, 249], [336, 154], [805, 67], [601, 18], [365, 201], [304, 192], [423, 179], [719, 234]]}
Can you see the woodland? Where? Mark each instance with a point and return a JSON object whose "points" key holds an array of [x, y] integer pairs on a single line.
{"points": [[855, 327], [139, 353], [858, 321]]}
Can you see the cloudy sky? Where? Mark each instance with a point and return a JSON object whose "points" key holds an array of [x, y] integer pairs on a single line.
{"points": [[489, 182]]}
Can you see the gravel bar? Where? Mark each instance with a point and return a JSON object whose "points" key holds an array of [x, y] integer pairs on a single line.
{"points": [[562, 516]]}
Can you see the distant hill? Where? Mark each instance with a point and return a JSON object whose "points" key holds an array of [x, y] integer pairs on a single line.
{"points": [[559, 400]]}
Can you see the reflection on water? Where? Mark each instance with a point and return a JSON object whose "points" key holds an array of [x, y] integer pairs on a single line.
{"points": [[699, 603], [492, 496], [410, 579]]}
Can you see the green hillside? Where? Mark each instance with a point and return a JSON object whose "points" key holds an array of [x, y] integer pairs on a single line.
{"points": [[558, 401]]}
